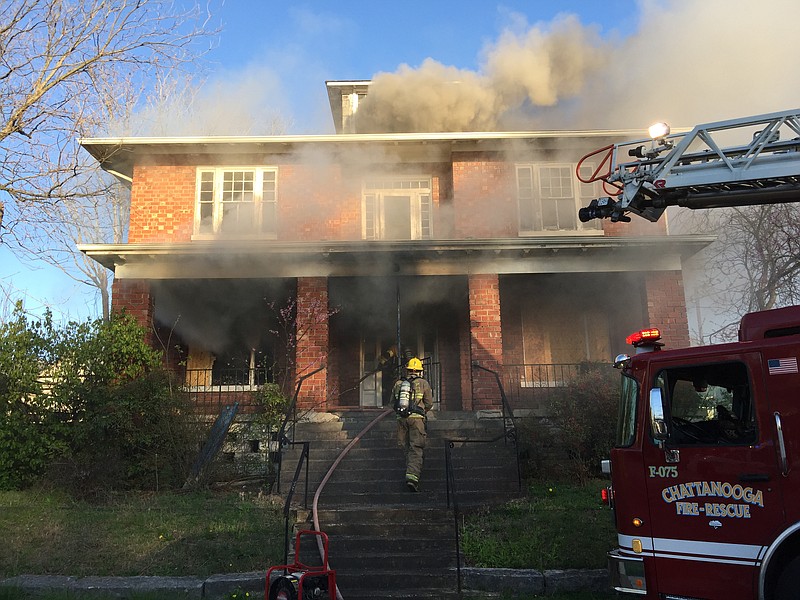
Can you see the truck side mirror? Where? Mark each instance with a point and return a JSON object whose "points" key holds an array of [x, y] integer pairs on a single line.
{"points": [[658, 425]]}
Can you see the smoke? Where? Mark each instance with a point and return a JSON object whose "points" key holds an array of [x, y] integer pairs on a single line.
{"points": [[685, 62], [246, 102], [540, 67]]}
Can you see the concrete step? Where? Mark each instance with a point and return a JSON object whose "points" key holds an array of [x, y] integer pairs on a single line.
{"points": [[395, 516], [418, 583], [394, 492], [389, 461], [384, 540], [389, 471], [436, 422]]}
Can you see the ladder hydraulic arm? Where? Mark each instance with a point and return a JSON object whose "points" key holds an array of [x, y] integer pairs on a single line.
{"points": [[739, 162]]}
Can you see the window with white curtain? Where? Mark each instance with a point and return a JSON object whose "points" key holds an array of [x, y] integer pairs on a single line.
{"points": [[237, 201]]}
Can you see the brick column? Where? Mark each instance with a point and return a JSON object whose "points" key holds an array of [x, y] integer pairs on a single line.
{"points": [[666, 307], [134, 297], [486, 339], [312, 341]]}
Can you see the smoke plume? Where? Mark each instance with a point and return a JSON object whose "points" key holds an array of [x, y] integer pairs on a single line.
{"points": [[538, 68], [685, 62]]}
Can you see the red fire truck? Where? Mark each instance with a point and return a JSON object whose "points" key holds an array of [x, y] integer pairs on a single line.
{"points": [[705, 472]]}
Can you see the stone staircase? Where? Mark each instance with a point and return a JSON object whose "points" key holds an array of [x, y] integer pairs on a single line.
{"points": [[386, 541]]}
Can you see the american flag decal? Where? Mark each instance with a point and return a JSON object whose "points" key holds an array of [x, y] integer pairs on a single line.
{"points": [[777, 366]]}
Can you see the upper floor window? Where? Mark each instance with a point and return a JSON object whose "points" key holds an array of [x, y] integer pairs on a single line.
{"points": [[549, 197], [237, 201], [397, 209]]}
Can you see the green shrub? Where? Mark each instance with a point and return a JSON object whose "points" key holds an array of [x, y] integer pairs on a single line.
{"points": [[272, 405], [129, 425], [30, 431], [579, 429], [137, 434], [89, 404]]}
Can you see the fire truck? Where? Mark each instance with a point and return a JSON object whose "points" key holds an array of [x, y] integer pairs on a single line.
{"points": [[705, 470]]}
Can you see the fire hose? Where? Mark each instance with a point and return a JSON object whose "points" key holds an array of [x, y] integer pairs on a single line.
{"points": [[339, 458]]}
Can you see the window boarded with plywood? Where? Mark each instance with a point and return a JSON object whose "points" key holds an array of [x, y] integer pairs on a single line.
{"points": [[568, 318]]}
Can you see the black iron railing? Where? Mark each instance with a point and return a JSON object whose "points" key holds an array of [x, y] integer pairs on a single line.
{"points": [[290, 417], [452, 487], [509, 421], [509, 436], [304, 458], [531, 386], [213, 389]]}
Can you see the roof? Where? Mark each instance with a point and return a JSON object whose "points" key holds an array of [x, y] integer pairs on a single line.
{"points": [[265, 258], [117, 155]]}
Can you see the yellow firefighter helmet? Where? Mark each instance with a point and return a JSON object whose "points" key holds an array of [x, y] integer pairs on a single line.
{"points": [[414, 364]]}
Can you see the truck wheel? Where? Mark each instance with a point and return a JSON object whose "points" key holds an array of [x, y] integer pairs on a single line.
{"points": [[789, 581]]}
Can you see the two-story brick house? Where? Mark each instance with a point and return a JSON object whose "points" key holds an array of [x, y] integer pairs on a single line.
{"points": [[466, 246]]}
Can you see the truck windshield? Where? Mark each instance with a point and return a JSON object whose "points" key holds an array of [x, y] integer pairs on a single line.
{"points": [[626, 417]]}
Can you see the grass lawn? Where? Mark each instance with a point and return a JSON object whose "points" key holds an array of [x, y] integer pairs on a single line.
{"points": [[166, 534], [555, 526], [203, 533]]}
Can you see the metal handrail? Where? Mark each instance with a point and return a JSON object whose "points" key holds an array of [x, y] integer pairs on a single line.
{"points": [[451, 484], [452, 489], [509, 422], [304, 457], [509, 434], [290, 413]]}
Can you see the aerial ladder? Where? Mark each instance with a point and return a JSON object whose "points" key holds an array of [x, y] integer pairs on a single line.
{"points": [[738, 162]]}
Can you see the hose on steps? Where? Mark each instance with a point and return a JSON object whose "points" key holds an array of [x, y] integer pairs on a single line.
{"points": [[320, 487]]}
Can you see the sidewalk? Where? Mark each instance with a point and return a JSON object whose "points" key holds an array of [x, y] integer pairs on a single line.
{"points": [[221, 587]]}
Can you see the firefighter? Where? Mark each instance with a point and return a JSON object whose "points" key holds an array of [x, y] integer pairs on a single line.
{"points": [[389, 365], [411, 434]]}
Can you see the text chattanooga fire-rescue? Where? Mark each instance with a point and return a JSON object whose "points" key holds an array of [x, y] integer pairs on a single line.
{"points": [[698, 489]]}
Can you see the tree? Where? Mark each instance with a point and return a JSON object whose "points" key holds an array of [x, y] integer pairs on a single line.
{"points": [[755, 262], [68, 68], [96, 217]]}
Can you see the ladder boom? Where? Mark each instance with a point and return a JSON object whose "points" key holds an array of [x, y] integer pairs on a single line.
{"points": [[750, 160]]}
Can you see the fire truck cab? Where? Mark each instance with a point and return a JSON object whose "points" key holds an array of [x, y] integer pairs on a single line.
{"points": [[705, 472]]}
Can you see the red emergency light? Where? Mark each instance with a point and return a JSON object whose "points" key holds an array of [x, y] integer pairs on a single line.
{"points": [[645, 336]]}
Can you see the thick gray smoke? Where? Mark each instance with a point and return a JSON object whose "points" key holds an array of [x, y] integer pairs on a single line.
{"points": [[686, 62], [538, 68]]}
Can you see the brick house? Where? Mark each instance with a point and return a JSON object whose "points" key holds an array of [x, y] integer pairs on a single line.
{"points": [[464, 246]]}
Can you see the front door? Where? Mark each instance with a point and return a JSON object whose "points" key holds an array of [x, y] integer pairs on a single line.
{"points": [[371, 386], [714, 487]]}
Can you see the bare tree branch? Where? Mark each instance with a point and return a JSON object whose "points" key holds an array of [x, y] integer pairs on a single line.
{"points": [[755, 262], [59, 61], [69, 69]]}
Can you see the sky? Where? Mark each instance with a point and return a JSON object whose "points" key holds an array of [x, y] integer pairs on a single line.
{"points": [[535, 64]]}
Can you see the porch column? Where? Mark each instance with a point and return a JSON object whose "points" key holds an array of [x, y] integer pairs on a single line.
{"points": [[312, 341], [134, 297], [666, 307], [486, 340]]}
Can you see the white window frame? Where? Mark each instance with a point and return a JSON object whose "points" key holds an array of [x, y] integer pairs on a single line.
{"points": [[528, 179], [374, 190], [263, 200]]}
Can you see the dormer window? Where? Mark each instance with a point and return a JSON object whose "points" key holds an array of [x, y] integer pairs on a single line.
{"points": [[236, 201]]}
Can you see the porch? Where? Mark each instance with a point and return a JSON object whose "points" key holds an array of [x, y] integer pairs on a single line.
{"points": [[528, 387]]}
